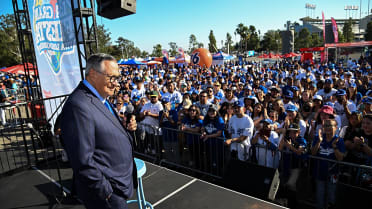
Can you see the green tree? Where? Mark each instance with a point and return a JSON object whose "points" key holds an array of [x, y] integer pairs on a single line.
{"points": [[104, 39], [9, 44], [341, 38], [228, 43], [156, 52], [348, 31], [243, 32], [145, 54], [253, 40], [193, 43], [271, 41], [173, 49], [303, 39], [212, 46], [316, 40], [368, 35]]}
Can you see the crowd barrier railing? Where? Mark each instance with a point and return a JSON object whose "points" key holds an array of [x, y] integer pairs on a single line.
{"points": [[303, 172]]}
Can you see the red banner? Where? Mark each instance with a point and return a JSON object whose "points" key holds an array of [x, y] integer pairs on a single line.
{"points": [[334, 28], [323, 26]]}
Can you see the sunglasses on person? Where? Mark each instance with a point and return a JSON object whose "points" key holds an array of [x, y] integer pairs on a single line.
{"points": [[192, 110]]}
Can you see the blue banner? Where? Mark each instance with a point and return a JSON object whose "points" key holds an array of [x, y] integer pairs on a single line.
{"points": [[55, 46]]}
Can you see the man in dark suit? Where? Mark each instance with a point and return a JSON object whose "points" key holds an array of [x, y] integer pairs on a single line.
{"points": [[98, 145]]}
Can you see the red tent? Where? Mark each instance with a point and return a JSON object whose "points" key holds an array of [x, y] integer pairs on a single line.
{"points": [[19, 69], [263, 56], [291, 54]]}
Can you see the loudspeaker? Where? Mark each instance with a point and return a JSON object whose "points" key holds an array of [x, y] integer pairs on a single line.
{"points": [[251, 179], [329, 36], [287, 41], [112, 9]]}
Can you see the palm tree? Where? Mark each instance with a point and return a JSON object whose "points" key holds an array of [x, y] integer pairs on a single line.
{"points": [[243, 32]]}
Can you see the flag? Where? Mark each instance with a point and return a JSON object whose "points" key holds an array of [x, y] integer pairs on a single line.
{"points": [[334, 28], [165, 53], [180, 50], [323, 26]]}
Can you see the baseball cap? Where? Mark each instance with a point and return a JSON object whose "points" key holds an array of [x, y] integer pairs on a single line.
{"points": [[154, 93], [238, 104], [340, 92], [291, 108], [165, 100], [317, 97], [267, 120], [367, 100], [288, 94], [293, 127], [328, 80], [327, 109], [295, 88]]}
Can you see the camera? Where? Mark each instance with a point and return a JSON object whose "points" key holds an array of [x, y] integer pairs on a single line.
{"points": [[306, 107]]}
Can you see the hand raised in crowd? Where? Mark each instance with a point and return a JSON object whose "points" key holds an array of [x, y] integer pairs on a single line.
{"points": [[228, 141], [320, 135], [358, 141], [334, 143]]}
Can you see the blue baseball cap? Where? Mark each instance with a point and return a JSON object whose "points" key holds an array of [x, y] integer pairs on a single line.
{"points": [[165, 100], [295, 88], [238, 104], [266, 121], [328, 80], [136, 98], [367, 100], [291, 108], [329, 104], [288, 94], [217, 97], [340, 92]]}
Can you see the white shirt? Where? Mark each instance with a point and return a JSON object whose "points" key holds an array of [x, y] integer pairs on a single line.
{"points": [[326, 96], [339, 108], [241, 127], [174, 97], [138, 92], [154, 109], [223, 100], [265, 156]]}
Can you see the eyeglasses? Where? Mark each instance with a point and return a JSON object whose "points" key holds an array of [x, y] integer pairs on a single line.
{"points": [[111, 78], [328, 126], [192, 110], [119, 103], [210, 91]]}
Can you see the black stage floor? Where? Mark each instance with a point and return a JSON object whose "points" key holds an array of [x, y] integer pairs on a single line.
{"points": [[163, 188]]}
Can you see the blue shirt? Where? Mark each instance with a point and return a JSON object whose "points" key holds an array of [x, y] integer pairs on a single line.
{"points": [[93, 90], [324, 169]]}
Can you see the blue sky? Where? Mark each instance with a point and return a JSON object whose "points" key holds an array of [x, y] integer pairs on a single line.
{"points": [[164, 21]]}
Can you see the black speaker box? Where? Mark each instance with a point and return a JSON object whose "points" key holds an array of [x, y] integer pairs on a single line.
{"points": [[112, 9], [251, 179]]}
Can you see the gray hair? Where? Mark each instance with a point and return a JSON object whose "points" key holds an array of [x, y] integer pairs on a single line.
{"points": [[95, 62]]}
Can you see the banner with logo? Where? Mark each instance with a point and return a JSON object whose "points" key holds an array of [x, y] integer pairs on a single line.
{"points": [[334, 28], [55, 46]]}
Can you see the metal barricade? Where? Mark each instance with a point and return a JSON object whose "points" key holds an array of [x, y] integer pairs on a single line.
{"points": [[20, 147]]}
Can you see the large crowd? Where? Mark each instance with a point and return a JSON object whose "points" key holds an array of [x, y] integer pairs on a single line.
{"points": [[260, 111], [264, 113]]}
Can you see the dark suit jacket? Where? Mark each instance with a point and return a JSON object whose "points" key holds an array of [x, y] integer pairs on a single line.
{"points": [[98, 146]]}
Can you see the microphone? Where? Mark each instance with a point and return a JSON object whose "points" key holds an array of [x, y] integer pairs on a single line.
{"points": [[31, 127]]}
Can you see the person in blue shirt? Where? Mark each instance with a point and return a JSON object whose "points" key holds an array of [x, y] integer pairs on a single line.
{"points": [[191, 125], [168, 122], [327, 145], [213, 127]]}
